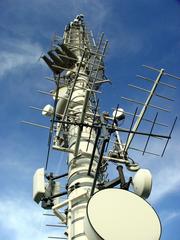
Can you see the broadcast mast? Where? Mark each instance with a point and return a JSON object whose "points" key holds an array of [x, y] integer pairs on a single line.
{"points": [[95, 208]]}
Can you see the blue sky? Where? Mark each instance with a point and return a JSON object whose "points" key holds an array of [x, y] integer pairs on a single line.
{"points": [[139, 32]]}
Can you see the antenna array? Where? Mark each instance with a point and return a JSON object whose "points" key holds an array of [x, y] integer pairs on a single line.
{"points": [[80, 129]]}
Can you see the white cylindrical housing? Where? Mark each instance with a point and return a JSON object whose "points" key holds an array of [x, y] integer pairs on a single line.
{"points": [[79, 165], [47, 110], [61, 104]]}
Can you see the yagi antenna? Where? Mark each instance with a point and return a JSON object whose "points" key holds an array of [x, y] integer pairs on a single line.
{"points": [[147, 104], [96, 144]]}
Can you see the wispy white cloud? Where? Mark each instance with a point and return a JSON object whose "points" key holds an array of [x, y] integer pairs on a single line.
{"points": [[23, 220], [166, 181], [125, 42], [21, 53], [172, 216], [169, 216], [20, 218]]}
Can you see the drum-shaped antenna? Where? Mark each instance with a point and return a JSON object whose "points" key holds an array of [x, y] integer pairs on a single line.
{"points": [[142, 183], [119, 114], [114, 214], [47, 110]]}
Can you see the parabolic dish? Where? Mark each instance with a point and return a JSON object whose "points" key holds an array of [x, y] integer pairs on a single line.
{"points": [[115, 214]]}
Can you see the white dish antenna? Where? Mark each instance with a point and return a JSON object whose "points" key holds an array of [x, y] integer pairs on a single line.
{"points": [[119, 214], [142, 183]]}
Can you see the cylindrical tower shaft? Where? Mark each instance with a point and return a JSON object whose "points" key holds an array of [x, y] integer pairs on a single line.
{"points": [[79, 181], [77, 64]]}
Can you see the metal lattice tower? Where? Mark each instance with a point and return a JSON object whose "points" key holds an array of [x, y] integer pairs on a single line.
{"points": [[82, 87], [84, 75], [80, 129]]}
